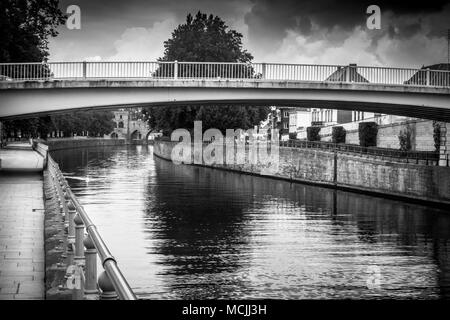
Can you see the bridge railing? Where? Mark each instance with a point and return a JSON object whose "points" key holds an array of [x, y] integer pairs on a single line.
{"points": [[82, 250], [222, 70], [413, 157]]}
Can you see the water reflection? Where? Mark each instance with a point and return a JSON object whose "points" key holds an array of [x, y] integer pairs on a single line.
{"points": [[189, 232]]}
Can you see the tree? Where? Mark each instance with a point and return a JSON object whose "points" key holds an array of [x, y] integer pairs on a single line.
{"points": [[313, 133], [437, 135], [205, 39], [368, 132], [96, 122], [338, 134], [25, 27], [404, 139]]}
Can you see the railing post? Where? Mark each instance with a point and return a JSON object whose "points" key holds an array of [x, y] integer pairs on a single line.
{"points": [[79, 237], [71, 216], [175, 70], [347, 74], [90, 255], [263, 70], [105, 284], [84, 69], [428, 77]]}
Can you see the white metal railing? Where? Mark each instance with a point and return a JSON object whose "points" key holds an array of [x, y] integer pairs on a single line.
{"points": [[82, 249], [222, 70]]}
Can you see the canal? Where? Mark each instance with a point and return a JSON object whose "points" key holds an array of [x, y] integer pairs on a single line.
{"points": [[184, 232]]}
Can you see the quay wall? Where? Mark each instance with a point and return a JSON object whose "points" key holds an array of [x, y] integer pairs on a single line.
{"points": [[361, 173], [60, 144]]}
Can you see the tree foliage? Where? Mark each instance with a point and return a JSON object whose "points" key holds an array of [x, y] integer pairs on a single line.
{"points": [[338, 134], [313, 133], [404, 138], [368, 132], [25, 29], [437, 135], [168, 118], [205, 38], [96, 123]]}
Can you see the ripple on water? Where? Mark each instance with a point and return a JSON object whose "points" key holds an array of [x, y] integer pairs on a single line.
{"points": [[186, 232]]}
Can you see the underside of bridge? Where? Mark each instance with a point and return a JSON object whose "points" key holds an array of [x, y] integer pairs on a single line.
{"points": [[32, 98]]}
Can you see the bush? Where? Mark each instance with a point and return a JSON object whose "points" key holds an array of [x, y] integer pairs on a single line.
{"points": [[368, 134], [404, 138], [312, 133], [437, 135], [338, 134]]}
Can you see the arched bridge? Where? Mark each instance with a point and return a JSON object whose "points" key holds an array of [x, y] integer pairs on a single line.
{"points": [[43, 88]]}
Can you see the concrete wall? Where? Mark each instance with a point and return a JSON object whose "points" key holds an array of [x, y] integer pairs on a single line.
{"points": [[363, 173], [59, 144]]}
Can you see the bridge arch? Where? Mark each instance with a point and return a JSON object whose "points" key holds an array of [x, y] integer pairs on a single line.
{"points": [[136, 135]]}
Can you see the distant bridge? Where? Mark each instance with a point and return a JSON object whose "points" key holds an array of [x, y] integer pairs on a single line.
{"points": [[43, 88]]}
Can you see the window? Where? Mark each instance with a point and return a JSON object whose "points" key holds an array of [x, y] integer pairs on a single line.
{"points": [[120, 116], [285, 114], [120, 124], [285, 125]]}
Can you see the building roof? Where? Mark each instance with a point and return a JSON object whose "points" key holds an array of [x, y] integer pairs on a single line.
{"points": [[341, 74], [436, 78]]}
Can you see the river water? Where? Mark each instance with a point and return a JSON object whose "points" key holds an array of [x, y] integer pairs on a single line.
{"points": [[185, 232]]}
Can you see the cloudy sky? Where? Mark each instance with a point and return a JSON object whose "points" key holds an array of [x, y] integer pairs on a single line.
{"points": [[288, 31]]}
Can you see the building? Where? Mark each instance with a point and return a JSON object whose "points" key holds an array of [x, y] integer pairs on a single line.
{"points": [[129, 125], [121, 120], [328, 117], [431, 75], [362, 115], [299, 119]]}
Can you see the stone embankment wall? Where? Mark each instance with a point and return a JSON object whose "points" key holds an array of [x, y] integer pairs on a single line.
{"points": [[348, 171], [59, 144]]}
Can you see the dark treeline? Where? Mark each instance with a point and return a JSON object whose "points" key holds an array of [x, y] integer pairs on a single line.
{"points": [[95, 123]]}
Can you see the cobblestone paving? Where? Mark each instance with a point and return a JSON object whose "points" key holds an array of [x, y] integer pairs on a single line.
{"points": [[22, 265]]}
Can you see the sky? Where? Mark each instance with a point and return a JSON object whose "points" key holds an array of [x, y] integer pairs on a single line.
{"points": [[412, 34]]}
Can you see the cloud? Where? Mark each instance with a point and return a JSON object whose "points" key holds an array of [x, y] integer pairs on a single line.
{"points": [[290, 31], [405, 39], [271, 22], [143, 43]]}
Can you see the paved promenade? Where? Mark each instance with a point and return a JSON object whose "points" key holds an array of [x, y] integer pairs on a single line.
{"points": [[22, 262], [21, 236], [20, 157]]}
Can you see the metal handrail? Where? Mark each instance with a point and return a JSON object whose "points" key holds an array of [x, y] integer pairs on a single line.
{"points": [[173, 70], [108, 261]]}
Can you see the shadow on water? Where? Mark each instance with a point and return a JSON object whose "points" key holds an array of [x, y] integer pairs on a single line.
{"points": [[207, 233]]}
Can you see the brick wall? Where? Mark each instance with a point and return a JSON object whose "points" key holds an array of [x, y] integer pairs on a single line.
{"points": [[364, 173]]}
